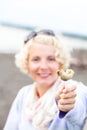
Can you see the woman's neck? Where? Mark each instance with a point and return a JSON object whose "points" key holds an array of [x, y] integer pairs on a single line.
{"points": [[40, 91]]}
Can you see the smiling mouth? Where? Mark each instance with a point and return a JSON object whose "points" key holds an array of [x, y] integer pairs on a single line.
{"points": [[44, 75]]}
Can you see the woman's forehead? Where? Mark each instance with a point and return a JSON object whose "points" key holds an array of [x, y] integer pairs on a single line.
{"points": [[41, 49]]}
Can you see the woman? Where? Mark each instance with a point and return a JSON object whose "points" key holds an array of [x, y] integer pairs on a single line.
{"points": [[49, 103]]}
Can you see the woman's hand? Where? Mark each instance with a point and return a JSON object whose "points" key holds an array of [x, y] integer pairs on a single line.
{"points": [[66, 98]]}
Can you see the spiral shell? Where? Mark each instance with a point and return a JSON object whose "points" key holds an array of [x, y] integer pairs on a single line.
{"points": [[65, 75]]}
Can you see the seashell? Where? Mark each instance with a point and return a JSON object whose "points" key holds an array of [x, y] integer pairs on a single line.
{"points": [[65, 75]]}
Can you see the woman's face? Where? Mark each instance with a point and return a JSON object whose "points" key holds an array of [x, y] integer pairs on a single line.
{"points": [[42, 64]]}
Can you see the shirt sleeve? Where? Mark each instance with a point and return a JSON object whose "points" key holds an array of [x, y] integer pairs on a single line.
{"points": [[15, 112]]}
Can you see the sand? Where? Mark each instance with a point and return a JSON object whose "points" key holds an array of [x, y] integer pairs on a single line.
{"points": [[11, 80]]}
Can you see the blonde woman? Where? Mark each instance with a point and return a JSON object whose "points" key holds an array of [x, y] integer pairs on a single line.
{"points": [[49, 103]]}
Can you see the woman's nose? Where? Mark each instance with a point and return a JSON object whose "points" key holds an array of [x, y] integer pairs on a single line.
{"points": [[44, 64]]}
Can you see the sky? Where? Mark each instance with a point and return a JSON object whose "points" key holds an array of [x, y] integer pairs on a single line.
{"points": [[69, 16], [61, 15]]}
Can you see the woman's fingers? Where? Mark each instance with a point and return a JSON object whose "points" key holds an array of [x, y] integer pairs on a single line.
{"points": [[66, 97], [59, 92], [67, 101], [69, 89], [66, 107]]}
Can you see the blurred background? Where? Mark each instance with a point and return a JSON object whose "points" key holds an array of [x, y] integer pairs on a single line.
{"points": [[17, 18]]}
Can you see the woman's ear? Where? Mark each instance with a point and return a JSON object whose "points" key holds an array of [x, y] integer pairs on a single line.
{"points": [[61, 66]]}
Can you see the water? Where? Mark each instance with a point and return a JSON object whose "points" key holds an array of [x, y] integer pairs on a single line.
{"points": [[11, 40], [66, 16]]}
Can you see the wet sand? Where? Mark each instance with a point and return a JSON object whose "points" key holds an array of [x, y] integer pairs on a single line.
{"points": [[11, 80]]}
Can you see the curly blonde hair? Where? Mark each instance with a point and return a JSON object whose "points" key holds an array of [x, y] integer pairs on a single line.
{"points": [[62, 54]]}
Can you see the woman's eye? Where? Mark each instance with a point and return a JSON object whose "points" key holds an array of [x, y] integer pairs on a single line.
{"points": [[51, 59], [35, 59]]}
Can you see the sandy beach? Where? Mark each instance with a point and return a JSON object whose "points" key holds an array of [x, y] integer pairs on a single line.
{"points": [[11, 80]]}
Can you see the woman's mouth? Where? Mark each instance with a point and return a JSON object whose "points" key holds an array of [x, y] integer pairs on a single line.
{"points": [[45, 75]]}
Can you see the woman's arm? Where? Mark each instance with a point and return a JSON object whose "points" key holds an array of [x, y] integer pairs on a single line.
{"points": [[13, 119]]}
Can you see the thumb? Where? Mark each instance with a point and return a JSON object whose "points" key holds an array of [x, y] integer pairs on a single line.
{"points": [[59, 92]]}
